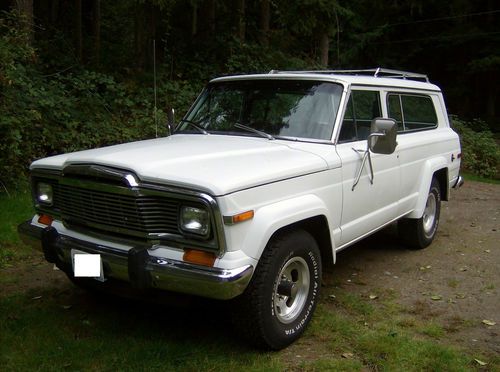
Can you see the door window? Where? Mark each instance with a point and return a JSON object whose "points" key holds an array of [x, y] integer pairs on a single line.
{"points": [[363, 106]]}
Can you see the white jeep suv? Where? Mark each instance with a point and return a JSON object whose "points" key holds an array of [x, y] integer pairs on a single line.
{"points": [[263, 181]]}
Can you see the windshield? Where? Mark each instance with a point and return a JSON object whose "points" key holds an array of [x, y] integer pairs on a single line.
{"points": [[278, 108]]}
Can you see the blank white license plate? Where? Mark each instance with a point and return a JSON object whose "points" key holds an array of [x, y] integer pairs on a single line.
{"points": [[86, 265]]}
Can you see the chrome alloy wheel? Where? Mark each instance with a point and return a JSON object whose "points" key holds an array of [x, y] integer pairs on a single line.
{"points": [[429, 216], [291, 290]]}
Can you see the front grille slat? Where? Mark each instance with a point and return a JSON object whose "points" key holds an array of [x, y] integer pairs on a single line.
{"points": [[109, 211]]}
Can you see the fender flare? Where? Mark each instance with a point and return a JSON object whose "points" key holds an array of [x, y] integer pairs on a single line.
{"points": [[270, 218], [430, 167]]}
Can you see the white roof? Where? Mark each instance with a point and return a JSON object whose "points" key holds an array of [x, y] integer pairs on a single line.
{"points": [[345, 79]]}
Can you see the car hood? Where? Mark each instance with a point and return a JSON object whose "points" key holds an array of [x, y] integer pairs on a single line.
{"points": [[217, 164]]}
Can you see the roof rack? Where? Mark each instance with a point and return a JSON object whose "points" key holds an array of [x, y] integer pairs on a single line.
{"points": [[375, 72]]}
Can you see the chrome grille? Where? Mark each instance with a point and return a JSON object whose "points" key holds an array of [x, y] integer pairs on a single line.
{"points": [[110, 211]]}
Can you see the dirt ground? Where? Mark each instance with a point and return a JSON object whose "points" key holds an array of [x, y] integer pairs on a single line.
{"points": [[455, 281]]}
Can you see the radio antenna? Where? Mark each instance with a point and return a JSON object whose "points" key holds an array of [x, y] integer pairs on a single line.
{"points": [[154, 83]]}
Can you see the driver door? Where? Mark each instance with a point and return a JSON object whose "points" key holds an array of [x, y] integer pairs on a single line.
{"points": [[368, 205]]}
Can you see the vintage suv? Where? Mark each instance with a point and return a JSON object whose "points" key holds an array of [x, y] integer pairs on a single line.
{"points": [[263, 181]]}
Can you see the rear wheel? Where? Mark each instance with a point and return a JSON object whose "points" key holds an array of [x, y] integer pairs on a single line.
{"points": [[280, 300], [420, 232]]}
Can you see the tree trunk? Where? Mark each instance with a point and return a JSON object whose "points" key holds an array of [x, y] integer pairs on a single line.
{"points": [[140, 51], [211, 16], [96, 28], [54, 10], [240, 29], [78, 30], [152, 12], [25, 10], [265, 18], [194, 18], [324, 45]]}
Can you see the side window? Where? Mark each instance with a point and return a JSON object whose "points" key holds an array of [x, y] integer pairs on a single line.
{"points": [[419, 112], [412, 112], [363, 106]]}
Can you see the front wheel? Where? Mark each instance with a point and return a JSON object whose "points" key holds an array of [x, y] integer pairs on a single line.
{"points": [[280, 300], [420, 232]]}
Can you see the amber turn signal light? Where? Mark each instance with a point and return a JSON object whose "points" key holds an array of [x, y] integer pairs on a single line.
{"points": [[237, 218], [199, 257], [45, 219]]}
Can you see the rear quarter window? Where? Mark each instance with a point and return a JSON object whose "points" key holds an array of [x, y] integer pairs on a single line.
{"points": [[412, 112]]}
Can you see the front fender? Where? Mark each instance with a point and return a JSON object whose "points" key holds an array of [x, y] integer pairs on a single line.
{"points": [[270, 218], [430, 167]]}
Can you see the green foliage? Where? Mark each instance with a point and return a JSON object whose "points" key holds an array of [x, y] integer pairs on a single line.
{"points": [[56, 97], [316, 15], [480, 152], [252, 58], [48, 114]]}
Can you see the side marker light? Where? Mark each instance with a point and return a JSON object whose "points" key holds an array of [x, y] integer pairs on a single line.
{"points": [[240, 217]]}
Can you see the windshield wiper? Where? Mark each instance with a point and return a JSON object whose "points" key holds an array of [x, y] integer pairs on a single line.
{"points": [[250, 129], [194, 125]]}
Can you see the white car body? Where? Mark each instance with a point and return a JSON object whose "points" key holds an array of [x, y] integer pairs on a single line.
{"points": [[320, 186]]}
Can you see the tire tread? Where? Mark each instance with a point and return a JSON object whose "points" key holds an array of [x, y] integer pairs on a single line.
{"points": [[248, 316]]}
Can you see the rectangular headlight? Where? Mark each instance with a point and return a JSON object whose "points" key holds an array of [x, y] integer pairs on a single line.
{"points": [[44, 194], [195, 220]]}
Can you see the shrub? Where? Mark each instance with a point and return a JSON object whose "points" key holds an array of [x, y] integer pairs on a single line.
{"points": [[50, 113], [480, 152]]}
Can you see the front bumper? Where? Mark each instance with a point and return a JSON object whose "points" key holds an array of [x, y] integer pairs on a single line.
{"points": [[137, 267]]}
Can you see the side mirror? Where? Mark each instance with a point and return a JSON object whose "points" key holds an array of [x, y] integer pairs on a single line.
{"points": [[382, 138], [170, 120]]}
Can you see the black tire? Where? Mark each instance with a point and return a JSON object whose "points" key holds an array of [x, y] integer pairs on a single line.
{"points": [[264, 314], [419, 233]]}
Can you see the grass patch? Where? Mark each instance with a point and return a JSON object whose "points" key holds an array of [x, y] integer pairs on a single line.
{"points": [[106, 333], [489, 287], [453, 283], [332, 365], [383, 338], [473, 177], [433, 330], [99, 333], [14, 209], [354, 304], [395, 351]]}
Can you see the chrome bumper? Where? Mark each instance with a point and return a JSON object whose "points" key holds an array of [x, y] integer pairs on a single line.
{"points": [[459, 183], [138, 267]]}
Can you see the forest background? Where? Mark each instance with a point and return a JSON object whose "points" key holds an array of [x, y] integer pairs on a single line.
{"points": [[77, 74]]}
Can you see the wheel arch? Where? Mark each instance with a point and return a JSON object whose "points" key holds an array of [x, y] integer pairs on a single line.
{"points": [[442, 177], [307, 212], [317, 227], [433, 168]]}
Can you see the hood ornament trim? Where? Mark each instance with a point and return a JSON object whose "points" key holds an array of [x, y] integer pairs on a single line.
{"points": [[132, 182], [126, 177]]}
